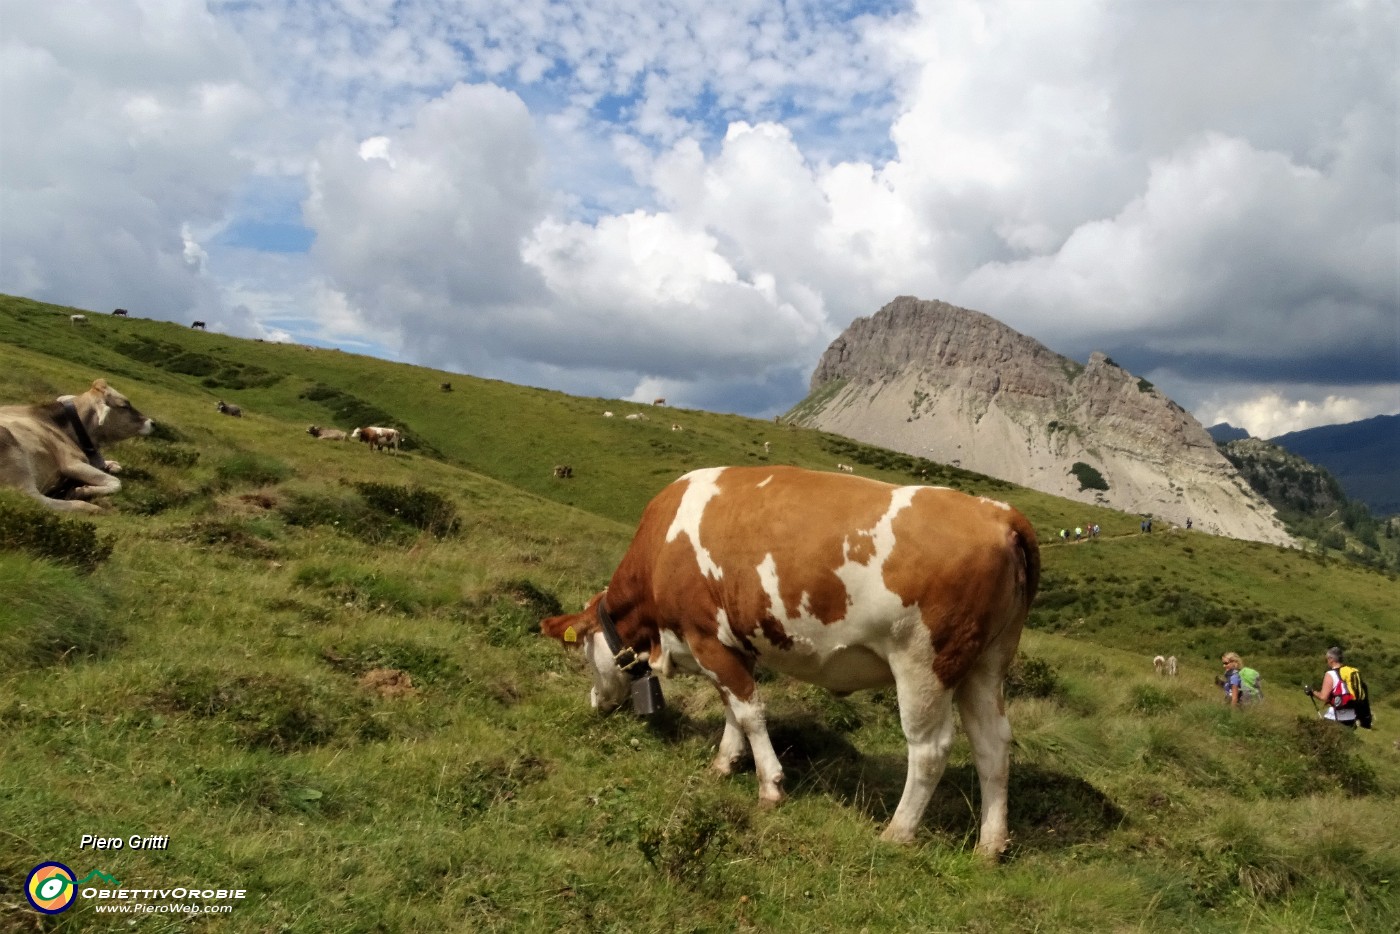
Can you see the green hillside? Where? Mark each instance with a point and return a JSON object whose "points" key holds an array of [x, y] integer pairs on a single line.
{"points": [[315, 669]]}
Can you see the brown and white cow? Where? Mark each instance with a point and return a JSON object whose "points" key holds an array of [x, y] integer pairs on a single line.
{"points": [[51, 450], [378, 438], [840, 581]]}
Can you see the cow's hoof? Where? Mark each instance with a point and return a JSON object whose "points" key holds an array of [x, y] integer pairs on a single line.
{"points": [[897, 835]]}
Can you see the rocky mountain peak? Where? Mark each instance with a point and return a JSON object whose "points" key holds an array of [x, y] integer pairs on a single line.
{"points": [[956, 385]]}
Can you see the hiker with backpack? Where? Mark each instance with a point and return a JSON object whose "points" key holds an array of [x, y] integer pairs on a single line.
{"points": [[1242, 685], [1343, 693]]}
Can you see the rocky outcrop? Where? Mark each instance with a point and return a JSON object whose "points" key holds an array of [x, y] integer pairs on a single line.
{"points": [[957, 386]]}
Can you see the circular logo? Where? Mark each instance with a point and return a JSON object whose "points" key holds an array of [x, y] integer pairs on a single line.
{"points": [[50, 888]]}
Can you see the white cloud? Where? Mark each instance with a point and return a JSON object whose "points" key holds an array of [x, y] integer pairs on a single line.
{"points": [[616, 195], [1270, 413]]}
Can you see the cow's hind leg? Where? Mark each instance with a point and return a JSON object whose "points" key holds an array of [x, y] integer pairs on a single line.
{"points": [[926, 713], [983, 712]]}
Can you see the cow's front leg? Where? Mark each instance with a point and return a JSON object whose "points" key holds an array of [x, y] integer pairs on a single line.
{"points": [[93, 481], [753, 726], [731, 745], [744, 718]]}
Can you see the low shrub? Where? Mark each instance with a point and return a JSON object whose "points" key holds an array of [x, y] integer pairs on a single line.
{"points": [[420, 508], [32, 528], [50, 616], [1031, 677], [269, 711], [251, 469]]}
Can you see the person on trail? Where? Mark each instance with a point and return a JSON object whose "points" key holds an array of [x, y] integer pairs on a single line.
{"points": [[1335, 691], [1241, 684]]}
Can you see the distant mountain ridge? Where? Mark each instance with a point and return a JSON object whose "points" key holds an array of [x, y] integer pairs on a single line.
{"points": [[1224, 432], [1364, 456], [955, 385]]}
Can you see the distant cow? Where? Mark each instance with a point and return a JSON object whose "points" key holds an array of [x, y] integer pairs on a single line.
{"points": [[845, 468], [1171, 665], [199, 325], [607, 415], [636, 417], [228, 409], [659, 400], [50, 451], [378, 438], [77, 319], [676, 427], [445, 387], [1159, 665], [326, 434], [563, 471], [119, 312], [921, 587]]}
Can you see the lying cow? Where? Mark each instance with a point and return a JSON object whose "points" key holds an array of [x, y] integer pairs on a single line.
{"points": [[378, 438], [51, 450], [228, 409], [326, 434], [843, 582]]}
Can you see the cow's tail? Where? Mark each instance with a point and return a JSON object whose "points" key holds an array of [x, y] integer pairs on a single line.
{"points": [[1028, 548]]}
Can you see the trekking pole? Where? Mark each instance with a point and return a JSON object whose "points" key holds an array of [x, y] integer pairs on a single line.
{"points": [[1308, 689]]}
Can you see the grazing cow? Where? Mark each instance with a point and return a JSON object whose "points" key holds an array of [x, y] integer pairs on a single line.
{"points": [[326, 434], [922, 587], [77, 319], [228, 409], [199, 325], [607, 415], [50, 452], [119, 312], [563, 471], [378, 438], [445, 387], [1159, 665], [845, 468], [676, 427], [767, 447], [659, 400], [1171, 665], [636, 417]]}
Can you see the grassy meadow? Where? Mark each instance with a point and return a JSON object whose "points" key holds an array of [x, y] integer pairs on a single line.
{"points": [[316, 669]]}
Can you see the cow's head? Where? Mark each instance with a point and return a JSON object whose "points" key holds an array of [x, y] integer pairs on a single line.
{"points": [[109, 415], [611, 685]]}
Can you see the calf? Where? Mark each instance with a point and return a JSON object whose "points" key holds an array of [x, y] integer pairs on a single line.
{"points": [[228, 409], [50, 451], [378, 438], [921, 587], [326, 434]]}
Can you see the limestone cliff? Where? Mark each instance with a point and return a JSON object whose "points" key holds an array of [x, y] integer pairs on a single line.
{"points": [[957, 386]]}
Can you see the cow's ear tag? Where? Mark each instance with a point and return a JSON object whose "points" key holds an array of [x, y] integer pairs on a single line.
{"points": [[570, 635]]}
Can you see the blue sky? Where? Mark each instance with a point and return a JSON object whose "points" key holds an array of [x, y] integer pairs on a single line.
{"points": [[691, 200]]}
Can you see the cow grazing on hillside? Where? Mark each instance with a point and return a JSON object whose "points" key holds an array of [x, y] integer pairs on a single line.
{"points": [[843, 582], [1171, 666], [119, 312], [326, 434], [198, 325], [1159, 664], [659, 400], [563, 471], [50, 451], [377, 438], [229, 409], [77, 319], [445, 387]]}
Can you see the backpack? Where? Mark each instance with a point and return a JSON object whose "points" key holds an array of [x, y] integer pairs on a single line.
{"points": [[1249, 684], [1350, 694]]}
